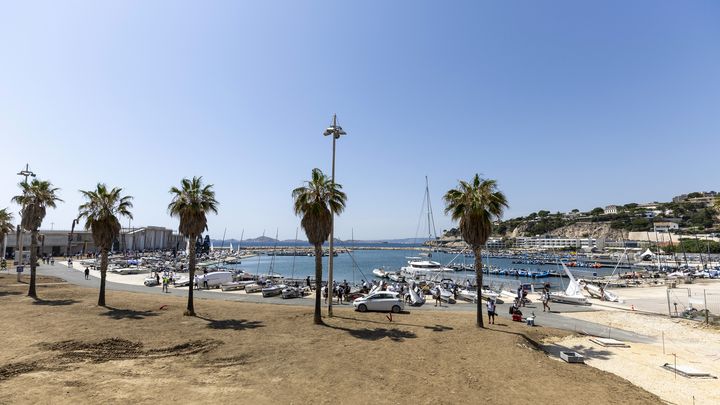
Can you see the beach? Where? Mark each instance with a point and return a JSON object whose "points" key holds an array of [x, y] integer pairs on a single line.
{"points": [[65, 349]]}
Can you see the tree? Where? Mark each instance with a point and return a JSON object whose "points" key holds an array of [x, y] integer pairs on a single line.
{"points": [[597, 211], [475, 205], [6, 226], [316, 202], [543, 213], [191, 203], [36, 197], [101, 211]]}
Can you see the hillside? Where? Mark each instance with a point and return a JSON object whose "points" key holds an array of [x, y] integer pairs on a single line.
{"points": [[692, 213]]}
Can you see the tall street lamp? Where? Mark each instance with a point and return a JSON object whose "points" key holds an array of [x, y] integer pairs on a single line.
{"points": [[70, 237], [25, 173], [336, 131]]}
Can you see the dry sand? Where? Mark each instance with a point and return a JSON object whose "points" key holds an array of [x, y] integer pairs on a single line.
{"points": [[65, 349], [694, 344]]}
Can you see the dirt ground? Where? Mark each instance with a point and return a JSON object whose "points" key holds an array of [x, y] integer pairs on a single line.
{"points": [[140, 349]]}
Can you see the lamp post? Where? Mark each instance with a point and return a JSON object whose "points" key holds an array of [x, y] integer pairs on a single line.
{"points": [[25, 173], [336, 131], [70, 236]]}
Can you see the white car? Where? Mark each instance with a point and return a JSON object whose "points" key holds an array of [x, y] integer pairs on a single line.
{"points": [[380, 301]]}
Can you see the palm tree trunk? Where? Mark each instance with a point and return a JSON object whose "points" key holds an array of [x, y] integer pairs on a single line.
{"points": [[33, 262], [317, 319], [103, 272], [190, 311], [479, 279]]}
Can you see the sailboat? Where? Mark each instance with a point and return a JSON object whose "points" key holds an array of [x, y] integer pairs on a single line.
{"points": [[573, 294]]}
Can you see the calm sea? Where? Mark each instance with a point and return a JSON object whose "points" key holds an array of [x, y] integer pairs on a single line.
{"points": [[358, 266]]}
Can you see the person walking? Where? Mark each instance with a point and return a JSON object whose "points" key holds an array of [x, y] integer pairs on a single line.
{"points": [[87, 273], [436, 295], [546, 299], [491, 311]]}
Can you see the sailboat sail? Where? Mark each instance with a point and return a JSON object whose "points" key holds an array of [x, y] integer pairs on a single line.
{"points": [[573, 287]]}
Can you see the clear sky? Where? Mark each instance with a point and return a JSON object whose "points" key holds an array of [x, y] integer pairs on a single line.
{"points": [[567, 104]]}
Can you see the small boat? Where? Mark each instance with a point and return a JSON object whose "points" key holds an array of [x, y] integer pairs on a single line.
{"points": [[467, 295], [235, 285], [253, 288], [573, 294], [272, 290], [293, 292], [379, 273], [601, 293], [417, 298], [396, 277], [150, 281], [445, 295]]}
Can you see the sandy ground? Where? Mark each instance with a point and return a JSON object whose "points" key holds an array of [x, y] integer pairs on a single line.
{"points": [[140, 349], [694, 344]]}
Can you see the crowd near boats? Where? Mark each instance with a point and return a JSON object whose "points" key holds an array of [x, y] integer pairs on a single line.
{"points": [[421, 277]]}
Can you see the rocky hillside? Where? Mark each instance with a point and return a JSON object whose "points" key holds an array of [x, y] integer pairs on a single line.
{"points": [[594, 230]]}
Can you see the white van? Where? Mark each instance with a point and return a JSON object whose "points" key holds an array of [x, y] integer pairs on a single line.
{"points": [[214, 279]]}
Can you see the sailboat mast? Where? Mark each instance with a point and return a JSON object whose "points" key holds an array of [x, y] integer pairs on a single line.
{"points": [[432, 232], [294, 253]]}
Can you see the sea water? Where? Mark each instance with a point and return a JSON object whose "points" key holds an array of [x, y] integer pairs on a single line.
{"points": [[358, 265]]}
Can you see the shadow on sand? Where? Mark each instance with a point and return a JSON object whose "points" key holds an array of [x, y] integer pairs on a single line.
{"points": [[232, 324], [394, 334], [54, 303], [6, 293], [116, 313], [587, 352], [434, 328]]}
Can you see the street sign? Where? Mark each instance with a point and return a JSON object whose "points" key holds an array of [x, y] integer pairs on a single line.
{"points": [[20, 269]]}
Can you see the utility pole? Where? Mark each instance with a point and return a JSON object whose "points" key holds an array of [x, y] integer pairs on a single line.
{"points": [[25, 173]]}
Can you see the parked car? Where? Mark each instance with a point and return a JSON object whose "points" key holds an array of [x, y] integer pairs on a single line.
{"points": [[214, 279], [380, 301]]}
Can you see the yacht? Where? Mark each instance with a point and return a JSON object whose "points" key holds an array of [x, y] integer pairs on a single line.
{"points": [[419, 267]]}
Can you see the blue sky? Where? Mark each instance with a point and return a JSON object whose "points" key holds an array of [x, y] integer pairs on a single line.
{"points": [[567, 104]]}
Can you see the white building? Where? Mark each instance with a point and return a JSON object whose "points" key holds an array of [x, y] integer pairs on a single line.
{"points": [[611, 209], [665, 226], [58, 242]]}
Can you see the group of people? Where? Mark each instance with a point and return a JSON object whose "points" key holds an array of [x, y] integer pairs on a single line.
{"points": [[341, 291], [166, 279], [48, 260]]}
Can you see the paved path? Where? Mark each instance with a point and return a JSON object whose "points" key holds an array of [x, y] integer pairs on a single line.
{"points": [[552, 319]]}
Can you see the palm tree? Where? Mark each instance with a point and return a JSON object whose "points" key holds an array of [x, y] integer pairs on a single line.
{"points": [[6, 227], [101, 211], [190, 203], [316, 202], [476, 205], [36, 197]]}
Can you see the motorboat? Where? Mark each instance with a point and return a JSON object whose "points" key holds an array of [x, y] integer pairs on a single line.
{"points": [[294, 292], [253, 288], [380, 273], [150, 281], [235, 285], [417, 267], [468, 295], [445, 294], [272, 290]]}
